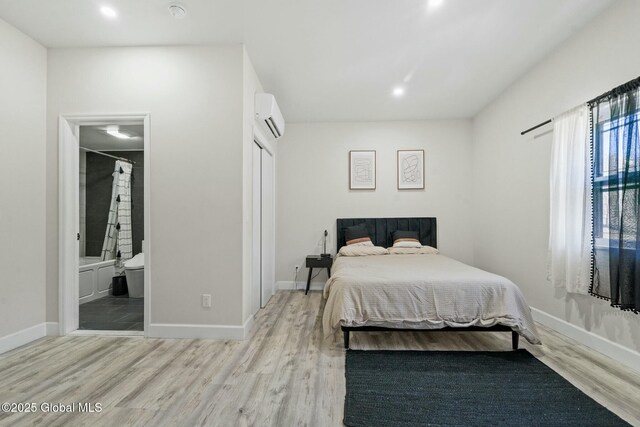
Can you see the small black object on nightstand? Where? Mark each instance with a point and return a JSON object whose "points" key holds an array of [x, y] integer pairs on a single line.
{"points": [[317, 261]]}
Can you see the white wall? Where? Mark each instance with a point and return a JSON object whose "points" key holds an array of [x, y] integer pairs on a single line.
{"points": [[23, 79], [511, 173], [194, 97], [313, 186]]}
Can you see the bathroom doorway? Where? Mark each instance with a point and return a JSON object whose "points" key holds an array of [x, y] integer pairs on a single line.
{"points": [[104, 225], [111, 224]]}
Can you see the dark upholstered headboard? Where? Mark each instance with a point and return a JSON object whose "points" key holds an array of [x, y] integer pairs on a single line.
{"points": [[381, 229]]}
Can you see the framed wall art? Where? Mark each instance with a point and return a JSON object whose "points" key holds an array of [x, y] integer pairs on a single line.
{"points": [[362, 170], [410, 169]]}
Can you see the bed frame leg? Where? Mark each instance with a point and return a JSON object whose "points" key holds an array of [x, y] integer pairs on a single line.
{"points": [[345, 333], [515, 337]]}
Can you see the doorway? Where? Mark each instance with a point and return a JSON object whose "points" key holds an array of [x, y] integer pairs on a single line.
{"points": [[263, 269], [104, 224], [111, 227]]}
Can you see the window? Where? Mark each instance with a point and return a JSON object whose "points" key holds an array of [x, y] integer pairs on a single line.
{"points": [[616, 197], [615, 166]]}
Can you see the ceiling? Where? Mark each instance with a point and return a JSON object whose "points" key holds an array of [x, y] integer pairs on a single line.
{"points": [[339, 60], [97, 138], [74, 23]]}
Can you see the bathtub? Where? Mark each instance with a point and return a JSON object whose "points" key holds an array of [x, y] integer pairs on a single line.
{"points": [[94, 278]]}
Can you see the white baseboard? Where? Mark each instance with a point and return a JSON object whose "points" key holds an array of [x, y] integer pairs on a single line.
{"points": [[217, 332], [287, 285], [52, 328], [624, 355], [20, 338]]}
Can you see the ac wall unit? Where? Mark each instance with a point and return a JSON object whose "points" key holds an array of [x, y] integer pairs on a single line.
{"points": [[267, 111]]}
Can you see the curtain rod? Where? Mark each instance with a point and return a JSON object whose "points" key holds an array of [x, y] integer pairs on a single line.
{"points": [[108, 155], [625, 87], [536, 127]]}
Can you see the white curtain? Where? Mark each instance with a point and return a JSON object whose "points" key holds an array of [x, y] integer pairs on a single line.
{"points": [[118, 236], [569, 259]]}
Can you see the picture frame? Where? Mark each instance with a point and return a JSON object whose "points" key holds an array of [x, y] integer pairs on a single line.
{"points": [[410, 169], [362, 170]]}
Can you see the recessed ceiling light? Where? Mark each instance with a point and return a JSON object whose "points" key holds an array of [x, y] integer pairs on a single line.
{"points": [[108, 12], [398, 91], [115, 131], [119, 135], [178, 11], [434, 4]]}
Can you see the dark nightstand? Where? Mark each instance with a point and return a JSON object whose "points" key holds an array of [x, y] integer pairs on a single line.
{"points": [[316, 261]]}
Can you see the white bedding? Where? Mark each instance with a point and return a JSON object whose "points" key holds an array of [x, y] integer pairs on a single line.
{"points": [[421, 292]]}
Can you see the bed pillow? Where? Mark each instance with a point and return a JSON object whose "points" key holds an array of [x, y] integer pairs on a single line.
{"points": [[426, 250], [358, 235], [359, 250], [406, 239]]}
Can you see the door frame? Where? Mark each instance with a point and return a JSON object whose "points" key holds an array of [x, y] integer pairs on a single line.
{"points": [[68, 219], [260, 139], [267, 229], [256, 224]]}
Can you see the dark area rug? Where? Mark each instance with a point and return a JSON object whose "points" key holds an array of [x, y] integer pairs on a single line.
{"points": [[459, 388]]}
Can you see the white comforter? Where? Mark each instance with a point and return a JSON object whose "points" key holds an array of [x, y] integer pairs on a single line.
{"points": [[421, 292]]}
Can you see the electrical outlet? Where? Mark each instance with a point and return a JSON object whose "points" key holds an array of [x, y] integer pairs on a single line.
{"points": [[206, 300]]}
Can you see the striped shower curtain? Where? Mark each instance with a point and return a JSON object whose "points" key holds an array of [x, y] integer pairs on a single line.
{"points": [[117, 237]]}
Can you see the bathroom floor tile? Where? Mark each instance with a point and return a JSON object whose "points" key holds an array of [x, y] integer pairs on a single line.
{"points": [[136, 326], [112, 314], [111, 326], [100, 308], [124, 301], [101, 317], [132, 317]]}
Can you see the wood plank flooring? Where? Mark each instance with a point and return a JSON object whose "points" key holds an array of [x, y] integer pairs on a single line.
{"points": [[285, 374]]}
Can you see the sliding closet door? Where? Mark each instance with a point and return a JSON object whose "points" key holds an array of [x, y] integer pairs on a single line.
{"points": [[268, 228], [256, 267]]}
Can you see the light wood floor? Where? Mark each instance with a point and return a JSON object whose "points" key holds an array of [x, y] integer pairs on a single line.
{"points": [[285, 374]]}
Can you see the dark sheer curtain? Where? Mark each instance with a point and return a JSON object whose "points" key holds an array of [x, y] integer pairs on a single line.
{"points": [[616, 196]]}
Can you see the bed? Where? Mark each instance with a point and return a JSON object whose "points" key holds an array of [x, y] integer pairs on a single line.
{"points": [[418, 292]]}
